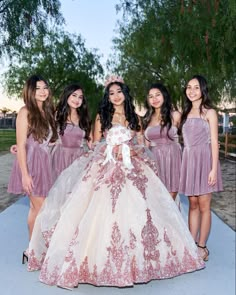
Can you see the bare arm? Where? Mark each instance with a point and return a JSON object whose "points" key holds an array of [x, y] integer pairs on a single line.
{"points": [[176, 116], [139, 134], [213, 122], [21, 137], [97, 134], [90, 141]]}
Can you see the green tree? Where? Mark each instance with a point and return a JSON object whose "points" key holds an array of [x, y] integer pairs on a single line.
{"points": [[62, 59], [171, 40], [4, 111], [21, 20]]}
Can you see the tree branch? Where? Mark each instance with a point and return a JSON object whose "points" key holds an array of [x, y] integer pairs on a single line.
{"points": [[6, 6]]}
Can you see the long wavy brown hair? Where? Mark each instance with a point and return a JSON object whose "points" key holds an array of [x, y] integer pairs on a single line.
{"points": [[166, 109], [106, 109], [39, 122], [205, 103], [63, 111]]}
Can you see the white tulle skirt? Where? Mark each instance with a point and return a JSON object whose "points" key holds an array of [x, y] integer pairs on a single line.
{"points": [[110, 225]]}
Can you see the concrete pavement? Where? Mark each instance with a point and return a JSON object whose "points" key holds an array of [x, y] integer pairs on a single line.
{"points": [[217, 278]]}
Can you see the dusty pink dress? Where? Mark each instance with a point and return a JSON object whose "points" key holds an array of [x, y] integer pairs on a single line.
{"points": [[69, 148], [111, 222], [197, 159], [167, 153], [39, 167]]}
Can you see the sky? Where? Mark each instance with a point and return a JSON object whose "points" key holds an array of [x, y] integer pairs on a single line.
{"points": [[96, 22]]}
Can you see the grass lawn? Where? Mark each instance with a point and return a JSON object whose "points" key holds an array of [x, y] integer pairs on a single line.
{"points": [[7, 138]]}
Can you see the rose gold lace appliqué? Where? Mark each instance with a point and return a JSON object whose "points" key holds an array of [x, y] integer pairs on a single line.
{"points": [[114, 179], [122, 267], [138, 177], [87, 175], [70, 276], [116, 267], [33, 262], [47, 235], [48, 277], [150, 242], [116, 183]]}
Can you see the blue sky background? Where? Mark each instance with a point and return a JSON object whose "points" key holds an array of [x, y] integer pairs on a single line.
{"points": [[94, 20]]}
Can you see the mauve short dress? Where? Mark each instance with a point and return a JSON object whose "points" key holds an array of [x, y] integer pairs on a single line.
{"points": [[197, 159], [39, 167], [69, 148], [167, 153]]}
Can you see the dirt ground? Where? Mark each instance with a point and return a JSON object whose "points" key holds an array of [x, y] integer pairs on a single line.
{"points": [[223, 203]]}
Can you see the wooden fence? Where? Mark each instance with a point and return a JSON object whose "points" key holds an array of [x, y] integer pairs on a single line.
{"points": [[228, 142]]}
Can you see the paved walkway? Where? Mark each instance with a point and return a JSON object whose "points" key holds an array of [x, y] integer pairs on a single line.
{"points": [[6, 160], [217, 278]]}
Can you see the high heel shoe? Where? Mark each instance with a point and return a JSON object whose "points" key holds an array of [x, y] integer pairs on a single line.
{"points": [[204, 252], [25, 257]]}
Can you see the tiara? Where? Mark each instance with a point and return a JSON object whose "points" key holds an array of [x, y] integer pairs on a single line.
{"points": [[112, 79]]}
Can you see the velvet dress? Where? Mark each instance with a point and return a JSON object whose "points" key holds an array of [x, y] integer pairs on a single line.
{"points": [[167, 154], [70, 146], [197, 159], [38, 157]]}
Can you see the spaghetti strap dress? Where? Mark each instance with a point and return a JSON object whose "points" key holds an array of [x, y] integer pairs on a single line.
{"points": [[197, 159]]}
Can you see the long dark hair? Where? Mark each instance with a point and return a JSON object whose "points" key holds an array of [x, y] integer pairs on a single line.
{"points": [[205, 103], [63, 111], [39, 123], [166, 109], [106, 109]]}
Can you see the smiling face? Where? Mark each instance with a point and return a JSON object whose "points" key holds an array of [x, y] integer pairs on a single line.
{"points": [[116, 95], [41, 91], [193, 91], [75, 100], [155, 98]]}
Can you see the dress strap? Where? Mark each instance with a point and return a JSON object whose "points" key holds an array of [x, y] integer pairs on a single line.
{"points": [[204, 114]]}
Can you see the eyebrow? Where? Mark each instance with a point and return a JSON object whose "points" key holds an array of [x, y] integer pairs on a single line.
{"points": [[119, 88], [158, 92], [75, 93]]}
